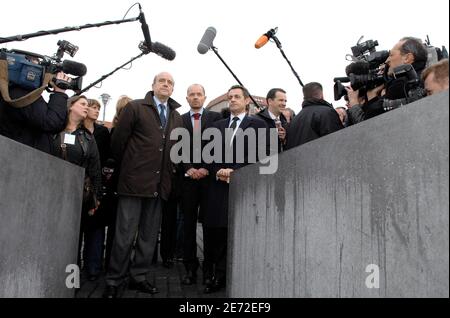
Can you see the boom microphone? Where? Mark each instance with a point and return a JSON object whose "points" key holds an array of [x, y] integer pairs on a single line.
{"points": [[263, 39], [74, 68], [207, 40], [159, 49], [163, 51], [145, 30]]}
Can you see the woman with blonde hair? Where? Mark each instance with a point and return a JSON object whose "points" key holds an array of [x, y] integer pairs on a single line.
{"points": [[121, 103]]}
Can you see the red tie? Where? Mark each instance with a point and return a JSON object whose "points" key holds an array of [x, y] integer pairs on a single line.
{"points": [[196, 121]]}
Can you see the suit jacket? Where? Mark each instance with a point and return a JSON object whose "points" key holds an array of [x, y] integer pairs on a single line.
{"points": [[206, 121], [216, 212], [264, 115]]}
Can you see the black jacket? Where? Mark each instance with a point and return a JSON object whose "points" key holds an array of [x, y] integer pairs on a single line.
{"points": [[265, 116], [316, 119], [355, 115], [33, 125], [216, 212], [85, 155], [103, 140], [142, 149]]}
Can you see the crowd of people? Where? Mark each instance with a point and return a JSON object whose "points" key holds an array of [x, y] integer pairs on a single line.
{"points": [[132, 186]]}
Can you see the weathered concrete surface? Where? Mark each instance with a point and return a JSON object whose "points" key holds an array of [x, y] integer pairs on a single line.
{"points": [[40, 204], [374, 193]]}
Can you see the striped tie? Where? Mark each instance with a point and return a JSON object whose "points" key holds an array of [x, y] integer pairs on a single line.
{"points": [[162, 115]]}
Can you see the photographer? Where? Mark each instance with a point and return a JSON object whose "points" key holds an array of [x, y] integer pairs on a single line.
{"points": [[34, 124], [360, 100]]}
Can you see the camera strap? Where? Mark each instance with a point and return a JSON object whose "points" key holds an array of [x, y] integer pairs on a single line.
{"points": [[24, 100]]}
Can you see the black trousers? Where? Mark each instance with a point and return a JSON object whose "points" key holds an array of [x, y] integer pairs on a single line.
{"points": [[169, 228], [192, 206], [215, 249]]}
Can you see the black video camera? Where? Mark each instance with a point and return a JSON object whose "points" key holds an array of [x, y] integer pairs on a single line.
{"points": [[412, 87], [27, 69], [366, 51], [357, 82], [367, 78]]}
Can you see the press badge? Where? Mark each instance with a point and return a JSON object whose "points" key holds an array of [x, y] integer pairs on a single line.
{"points": [[69, 139]]}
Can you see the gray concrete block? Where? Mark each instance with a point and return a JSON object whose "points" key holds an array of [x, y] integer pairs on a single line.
{"points": [[374, 193], [40, 209]]}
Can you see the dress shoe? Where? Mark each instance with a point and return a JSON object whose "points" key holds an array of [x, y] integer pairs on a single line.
{"points": [[209, 288], [110, 292], [213, 286], [143, 287]]}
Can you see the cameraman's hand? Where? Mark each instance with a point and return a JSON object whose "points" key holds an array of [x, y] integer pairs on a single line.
{"points": [[353, 96], [376, 92], [64, 77]]}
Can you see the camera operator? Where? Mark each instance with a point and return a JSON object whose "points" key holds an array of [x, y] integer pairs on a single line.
{"points": [[360, 101], [34, 124], [408, 51]]}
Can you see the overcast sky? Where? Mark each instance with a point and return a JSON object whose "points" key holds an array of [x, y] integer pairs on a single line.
{"points": [[316, 36]]}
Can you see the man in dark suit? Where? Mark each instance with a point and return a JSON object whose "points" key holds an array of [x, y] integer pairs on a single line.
{"points": [[239, 125], [274, 118], [195, 186], [141, 149]]}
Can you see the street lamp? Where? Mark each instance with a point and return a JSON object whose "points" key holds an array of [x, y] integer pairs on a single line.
{"points": [[105, 99]]}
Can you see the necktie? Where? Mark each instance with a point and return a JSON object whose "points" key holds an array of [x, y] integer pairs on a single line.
{"points": [[196, 121], [234, 123], [233, 126], [162, 115]]}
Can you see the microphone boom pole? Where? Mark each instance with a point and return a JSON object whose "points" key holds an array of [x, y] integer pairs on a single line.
{"points": [[278, 43], [101, 79], [214, 49], [62, 30]]}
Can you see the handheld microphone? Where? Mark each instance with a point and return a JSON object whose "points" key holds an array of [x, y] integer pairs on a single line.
{"points": [[145, 30], [207, 40], [159, 49], [74, 68], [263, 39]]}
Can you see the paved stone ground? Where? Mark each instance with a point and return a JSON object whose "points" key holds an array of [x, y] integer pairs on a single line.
{"points": [[167, 280]]}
